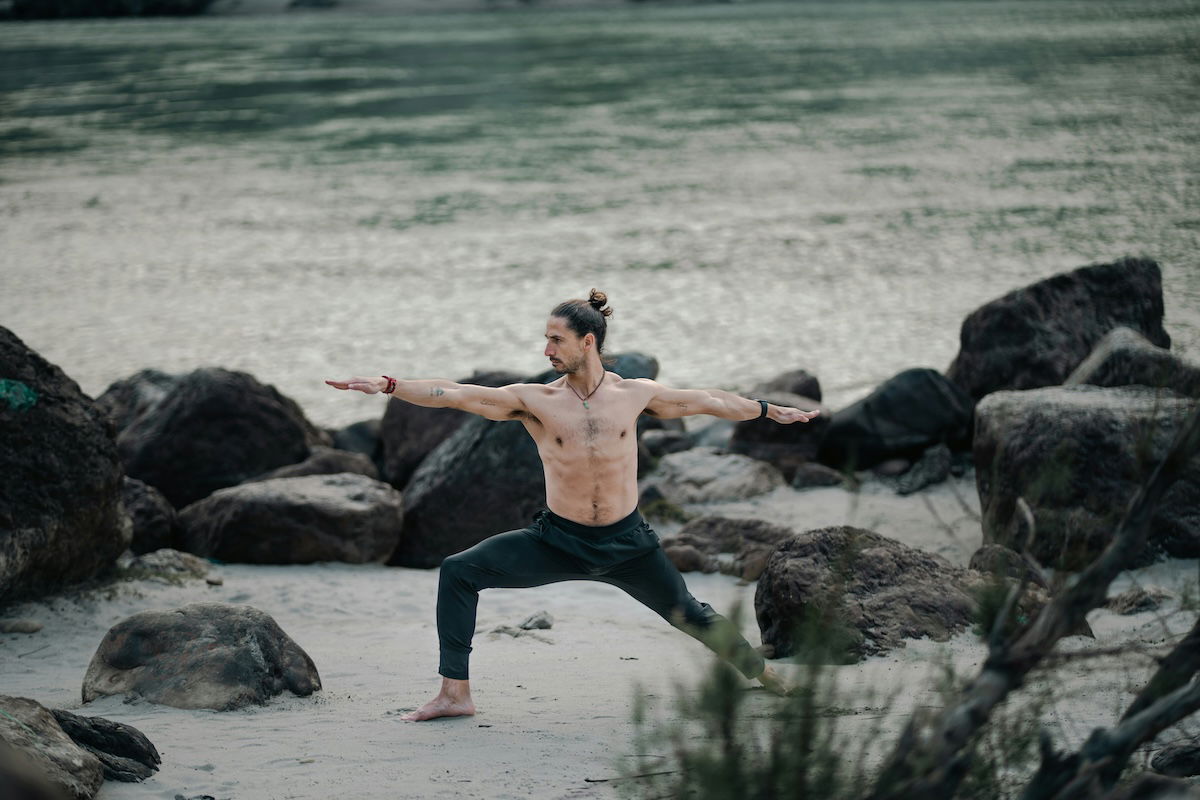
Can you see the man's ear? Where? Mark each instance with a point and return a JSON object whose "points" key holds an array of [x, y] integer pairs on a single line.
{"points": [[589, 340]]}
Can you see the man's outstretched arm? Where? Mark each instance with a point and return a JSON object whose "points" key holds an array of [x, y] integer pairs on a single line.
{"points": [[494, 403], [668, 403]]}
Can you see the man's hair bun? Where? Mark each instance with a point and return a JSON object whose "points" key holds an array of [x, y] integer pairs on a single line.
{"points": [[597, 300]]}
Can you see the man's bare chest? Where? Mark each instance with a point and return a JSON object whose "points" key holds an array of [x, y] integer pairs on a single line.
{"points": [[570, 426]]}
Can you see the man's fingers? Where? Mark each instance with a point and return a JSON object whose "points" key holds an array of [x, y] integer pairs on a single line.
{"points": [[338, 384]]}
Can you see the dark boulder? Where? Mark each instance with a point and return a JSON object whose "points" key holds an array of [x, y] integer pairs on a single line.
{"points": [[749, 541], [37, 757], [155, 523], [785, 446], [813, 475], [61, 516], [410, 432], [213, 428], [204, 655], [123, 751], [129, 398], [1124, 357], [906, 414], [362, 437], [324, 461], [340, 517], [1179, 759], [858, 594], [485, 479], [1077, 455], [1177, 518], [797, 381], [1037, 335]]}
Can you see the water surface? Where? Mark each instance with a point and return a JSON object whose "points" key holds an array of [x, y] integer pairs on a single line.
{"points": [[758, 187]]}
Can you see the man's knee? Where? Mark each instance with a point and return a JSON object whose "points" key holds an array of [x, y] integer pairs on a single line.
{"points": [[457, 568]]}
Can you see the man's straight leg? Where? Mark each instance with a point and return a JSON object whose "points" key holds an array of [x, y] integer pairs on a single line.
{"points": [[516, 559], [654, 581]]}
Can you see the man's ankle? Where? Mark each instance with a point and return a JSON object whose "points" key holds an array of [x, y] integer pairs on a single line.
{"points": [[456, 689]]}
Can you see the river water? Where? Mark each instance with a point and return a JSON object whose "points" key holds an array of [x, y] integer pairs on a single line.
{"points": [[758, 187]]}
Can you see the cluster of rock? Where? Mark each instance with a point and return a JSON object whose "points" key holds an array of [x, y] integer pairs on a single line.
{"points": [[1063, 394], [217, 464], [206, 655], [51, 753]]}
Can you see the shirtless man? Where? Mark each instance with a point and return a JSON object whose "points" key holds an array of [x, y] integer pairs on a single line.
{"points": [[585, 427]]}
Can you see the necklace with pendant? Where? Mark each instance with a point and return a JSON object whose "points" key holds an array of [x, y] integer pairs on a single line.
{"points": [[583, 399]]}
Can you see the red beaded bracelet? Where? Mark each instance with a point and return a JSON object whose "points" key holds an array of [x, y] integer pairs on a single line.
{"points": [[391, 385]]}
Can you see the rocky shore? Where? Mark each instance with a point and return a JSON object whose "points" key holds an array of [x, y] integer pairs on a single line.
{"points": [[889, 519]]}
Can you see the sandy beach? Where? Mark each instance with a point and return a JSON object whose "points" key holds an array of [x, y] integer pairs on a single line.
{"points": [[554, 709]]}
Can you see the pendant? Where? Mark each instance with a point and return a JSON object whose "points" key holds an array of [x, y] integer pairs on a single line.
{"points": [[585, 405]]}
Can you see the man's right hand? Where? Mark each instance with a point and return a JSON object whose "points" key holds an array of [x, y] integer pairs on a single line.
{"points": [[364, 385]]}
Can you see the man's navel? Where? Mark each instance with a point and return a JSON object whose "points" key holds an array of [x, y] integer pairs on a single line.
{"points": [[559, 440]]}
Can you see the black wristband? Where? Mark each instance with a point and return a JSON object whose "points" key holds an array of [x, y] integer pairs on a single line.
{"points": [[762, 403]]}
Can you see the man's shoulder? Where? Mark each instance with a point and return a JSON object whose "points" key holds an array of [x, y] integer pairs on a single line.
{"points": [[643, 384]]}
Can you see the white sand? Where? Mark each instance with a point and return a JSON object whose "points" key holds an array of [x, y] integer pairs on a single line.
{"points": [[552, 713]]}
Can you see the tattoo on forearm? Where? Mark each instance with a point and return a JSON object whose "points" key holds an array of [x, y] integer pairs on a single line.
{"points": [[436, 391]]}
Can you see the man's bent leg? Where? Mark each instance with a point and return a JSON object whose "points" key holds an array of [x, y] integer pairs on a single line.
{"points": [[655, 582], [516, 559]]}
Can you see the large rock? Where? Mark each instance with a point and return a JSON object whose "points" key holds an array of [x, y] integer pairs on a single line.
{"points": [[1078, 455], [37, 757], [362, 437], [785, 446], [210, 429], [484, 479], [61, 517], [155, 522], [797, 381], [340, 517], [906, 414], [1124, 357], [1037, 335], [863, 593], [205, 655], [1179, 759], [750, 541], [324, 461], [410, 432], [706, 475]]}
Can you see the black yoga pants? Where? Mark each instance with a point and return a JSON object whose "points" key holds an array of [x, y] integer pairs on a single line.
{"points": [[625, 554]]}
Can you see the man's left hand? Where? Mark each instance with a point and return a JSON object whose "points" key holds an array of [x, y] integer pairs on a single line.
{"points": [[786, 415]]}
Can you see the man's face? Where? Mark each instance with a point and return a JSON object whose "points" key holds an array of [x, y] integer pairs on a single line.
{"points": [[566, 350]]}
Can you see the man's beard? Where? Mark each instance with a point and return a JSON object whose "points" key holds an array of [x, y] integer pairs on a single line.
{"points": [[564, 368]]}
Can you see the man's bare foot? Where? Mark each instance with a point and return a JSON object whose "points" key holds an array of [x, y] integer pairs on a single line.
{"points": [[454, 700], [774, 682]]}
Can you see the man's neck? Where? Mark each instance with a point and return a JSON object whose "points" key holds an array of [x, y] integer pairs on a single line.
{"points": [[587, 378]]}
